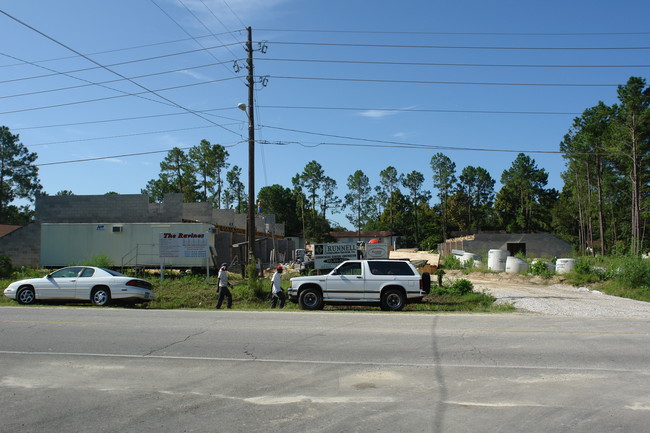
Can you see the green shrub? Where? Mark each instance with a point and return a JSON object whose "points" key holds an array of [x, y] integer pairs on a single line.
{"points": [[258, 289], [5, 266], [633, 273], [439, 274], [450, 261], [100, 261], [462, 287], [539, 268]]}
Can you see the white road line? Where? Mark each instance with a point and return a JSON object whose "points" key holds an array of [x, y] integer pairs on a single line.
{"points": [[324, 362]]}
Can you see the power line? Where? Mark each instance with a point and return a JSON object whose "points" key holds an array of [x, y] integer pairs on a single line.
{"points": [[359, 62], [188, 33], [101, 83], [116, 50], [127, 62], [464, 83], [122, 136], [410, 146], [126, 155], [455, 33], [416, 110], [194, 112], [91, 82], [289, 107], [114, 72], [453, 47], [232, 11], [152, 116]]}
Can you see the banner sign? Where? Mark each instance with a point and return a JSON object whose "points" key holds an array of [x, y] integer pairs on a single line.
{"points": [[183, 245], [328, 256]]}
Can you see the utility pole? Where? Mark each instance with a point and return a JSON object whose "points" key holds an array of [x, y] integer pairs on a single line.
{"points": [[251, 150]]}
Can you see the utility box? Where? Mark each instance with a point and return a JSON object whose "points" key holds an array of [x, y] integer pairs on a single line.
{"points": [[185, 245]]}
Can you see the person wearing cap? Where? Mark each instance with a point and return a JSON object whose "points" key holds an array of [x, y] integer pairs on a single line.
{"points": [[276, 289], [224, 291]]}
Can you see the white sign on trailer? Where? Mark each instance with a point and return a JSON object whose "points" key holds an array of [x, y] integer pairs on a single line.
{"points": [[186, 245], [328, 256]]}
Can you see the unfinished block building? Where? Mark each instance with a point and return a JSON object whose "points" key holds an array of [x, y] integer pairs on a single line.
{"points": [[26, 245]]}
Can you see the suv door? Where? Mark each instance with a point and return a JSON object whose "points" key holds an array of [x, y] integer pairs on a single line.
{"points": [[345, 282]]}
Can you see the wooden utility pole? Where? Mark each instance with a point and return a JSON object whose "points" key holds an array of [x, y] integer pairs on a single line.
{"points": [[251, 150]]}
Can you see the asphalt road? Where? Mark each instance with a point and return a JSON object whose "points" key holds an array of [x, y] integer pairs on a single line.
{"points": [[119, 370]]}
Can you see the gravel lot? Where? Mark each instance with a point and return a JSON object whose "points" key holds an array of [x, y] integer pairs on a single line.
{"points": [[536, 295]]}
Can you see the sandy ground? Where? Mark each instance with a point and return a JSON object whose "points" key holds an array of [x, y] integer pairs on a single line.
{"points": [[552, 297]]}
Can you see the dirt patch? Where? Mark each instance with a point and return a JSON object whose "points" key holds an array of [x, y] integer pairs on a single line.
{"points": [[551, 296]]}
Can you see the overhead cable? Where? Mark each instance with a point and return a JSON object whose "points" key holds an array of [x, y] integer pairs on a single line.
{"points": [[490, 65], [463, 83], [115, 72], [383, 32], [452, 47]]}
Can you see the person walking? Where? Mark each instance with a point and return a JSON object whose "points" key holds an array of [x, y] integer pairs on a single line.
{"points": [[224, 291], [276, 289]]}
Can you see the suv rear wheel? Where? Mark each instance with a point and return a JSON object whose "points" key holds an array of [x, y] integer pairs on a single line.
{"points": [[393, 300]]}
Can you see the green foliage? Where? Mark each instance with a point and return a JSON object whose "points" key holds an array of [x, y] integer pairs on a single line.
{"points": [[358, 200], [450, 261], [462, 287], [521, 201], [539, 268], [100, 261], [18, 174], [257, 287], [439, 274], [5, 266]]}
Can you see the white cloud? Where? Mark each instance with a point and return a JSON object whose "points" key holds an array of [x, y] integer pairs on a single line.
{"points": [[231, 12], [377, 114], [195, 75]]}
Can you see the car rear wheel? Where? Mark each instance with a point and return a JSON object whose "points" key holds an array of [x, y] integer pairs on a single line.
{"points": [[26, 296], [393, 300], [101, 296], [311, 299]]}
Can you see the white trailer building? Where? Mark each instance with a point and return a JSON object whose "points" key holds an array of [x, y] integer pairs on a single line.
{"points": [[185, 245]]}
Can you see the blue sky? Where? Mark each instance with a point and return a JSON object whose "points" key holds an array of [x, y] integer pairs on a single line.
{"points": [[352, 85]]}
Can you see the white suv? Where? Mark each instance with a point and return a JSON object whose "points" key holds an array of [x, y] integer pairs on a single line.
{"points": [[391, 284]]}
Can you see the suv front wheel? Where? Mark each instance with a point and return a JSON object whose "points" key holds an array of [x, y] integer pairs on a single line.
{"points": [[311, 299]]}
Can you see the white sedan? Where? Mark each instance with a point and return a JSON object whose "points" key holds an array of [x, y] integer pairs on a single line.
{"points": [[86, 283]]}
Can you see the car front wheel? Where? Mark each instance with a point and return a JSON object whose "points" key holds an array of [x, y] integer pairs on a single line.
{"points": [[26, 296], [311, 299], [101, 296], [393, 300]]}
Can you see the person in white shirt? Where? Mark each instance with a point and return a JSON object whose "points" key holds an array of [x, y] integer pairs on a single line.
{"points": [[276, 289], [224, 291]]}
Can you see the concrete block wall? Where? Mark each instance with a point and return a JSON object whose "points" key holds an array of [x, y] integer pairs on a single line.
{"points": [[201, 212], [537, 244], [223, 217], [124, 208], [23, 246]]}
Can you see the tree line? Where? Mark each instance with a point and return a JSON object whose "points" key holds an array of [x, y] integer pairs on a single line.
{"points": [[603, 205]]}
